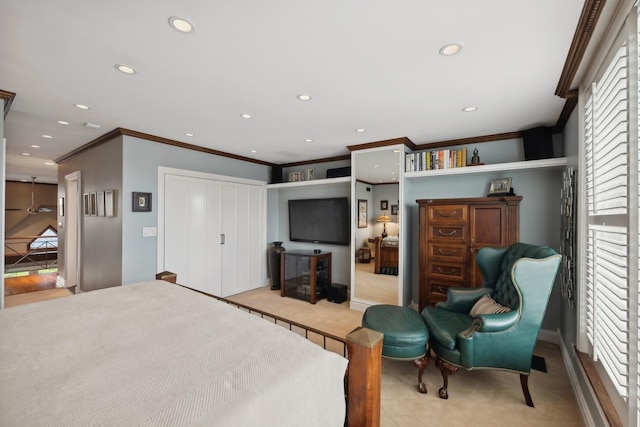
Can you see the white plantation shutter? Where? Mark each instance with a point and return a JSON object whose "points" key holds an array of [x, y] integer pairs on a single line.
{"points": [[606, 185]]}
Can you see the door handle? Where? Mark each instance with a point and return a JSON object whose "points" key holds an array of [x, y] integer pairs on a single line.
{"points": [[222, 237]]}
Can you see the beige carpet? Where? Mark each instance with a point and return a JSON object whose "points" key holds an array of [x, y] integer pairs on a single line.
{"points": [[476, 398], [382, 288]]}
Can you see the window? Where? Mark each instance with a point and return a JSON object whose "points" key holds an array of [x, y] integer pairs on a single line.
{"points": [[610, 159], [48, 241]]}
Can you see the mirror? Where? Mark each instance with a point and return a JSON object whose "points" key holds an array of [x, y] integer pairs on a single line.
{"points": [[376, 199]]}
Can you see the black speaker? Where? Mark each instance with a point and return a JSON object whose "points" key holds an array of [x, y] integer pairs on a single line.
{"points": [[538, 143], [338, 172], [276, 174], [337, 293]]}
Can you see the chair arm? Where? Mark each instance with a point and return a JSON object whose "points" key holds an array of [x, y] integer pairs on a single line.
{"points": [[497, 322], [461, 300]]}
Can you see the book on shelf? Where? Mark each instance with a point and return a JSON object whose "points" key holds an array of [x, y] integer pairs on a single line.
{"points": [[436, 159]]}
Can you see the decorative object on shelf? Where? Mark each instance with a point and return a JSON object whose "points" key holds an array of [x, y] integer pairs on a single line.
{"points": [[384, 205], [141, 202], [475, 160], [384, 219], [362, 213], [310, 175], [394, 209], [295, 176], [274, 264], [500, 187], [568, 242]]}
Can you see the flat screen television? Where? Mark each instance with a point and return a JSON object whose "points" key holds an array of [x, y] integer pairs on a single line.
{"points": [[320, 220]]}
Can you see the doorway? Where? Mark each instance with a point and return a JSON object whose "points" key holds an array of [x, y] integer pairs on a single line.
{"points": [[71, 231]]}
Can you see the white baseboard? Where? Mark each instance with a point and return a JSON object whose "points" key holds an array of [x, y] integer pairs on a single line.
{"points": [[549, 336], [577, 390]]}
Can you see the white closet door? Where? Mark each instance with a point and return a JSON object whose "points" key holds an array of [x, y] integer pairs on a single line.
{"points": [[243, 257], [193, 231]]}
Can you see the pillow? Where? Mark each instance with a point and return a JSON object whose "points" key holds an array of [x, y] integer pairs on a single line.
{"points": [[486, 305]]}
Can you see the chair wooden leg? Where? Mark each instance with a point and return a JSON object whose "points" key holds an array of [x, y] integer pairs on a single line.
{"points": [[422, 365], [446, 369], [524, 382]]}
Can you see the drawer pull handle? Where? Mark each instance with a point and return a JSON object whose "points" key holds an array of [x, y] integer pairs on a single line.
{"points": [[442, 233], [453, 251], [450, 214], [441, 290], [449, 271]]}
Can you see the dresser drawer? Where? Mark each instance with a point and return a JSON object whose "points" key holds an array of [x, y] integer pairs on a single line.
{"points": [[447, 213], [447, 252], [437, 290], [448, 232], [449, 271]]}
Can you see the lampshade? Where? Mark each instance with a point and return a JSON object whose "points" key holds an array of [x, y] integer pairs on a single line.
{"points": [[384, 218]]}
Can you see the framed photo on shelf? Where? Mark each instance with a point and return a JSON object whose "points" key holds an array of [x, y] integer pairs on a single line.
{"points": [[394, 209], [500, 187], [384, 205], [362, 213], [141, 202]]}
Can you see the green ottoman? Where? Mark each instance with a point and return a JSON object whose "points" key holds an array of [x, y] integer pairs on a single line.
{"points": [[405, 335]]}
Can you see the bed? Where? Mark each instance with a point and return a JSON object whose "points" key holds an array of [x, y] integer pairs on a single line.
{"points": [[155, 353], [386, 259]]}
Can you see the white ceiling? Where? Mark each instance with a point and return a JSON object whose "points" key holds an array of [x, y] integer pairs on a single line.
{"points": [[367, 64]]}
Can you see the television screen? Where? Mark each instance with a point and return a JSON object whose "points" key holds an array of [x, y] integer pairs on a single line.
{"points": [[320, 220]]}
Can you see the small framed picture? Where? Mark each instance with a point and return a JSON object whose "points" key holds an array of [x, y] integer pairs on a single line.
{"points": [[362, 213], [394, 209], [109, 206], [93, 204], [100, 203], [384, 205], [141, 202], [500, 187], [310, 175], [86, 206]]}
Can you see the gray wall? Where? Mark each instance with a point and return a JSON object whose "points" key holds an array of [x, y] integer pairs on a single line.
{"points": [[141, 159], [539, 209], [101, 237]]}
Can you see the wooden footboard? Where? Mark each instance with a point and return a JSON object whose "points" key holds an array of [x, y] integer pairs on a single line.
{"points": [[386, 257]]}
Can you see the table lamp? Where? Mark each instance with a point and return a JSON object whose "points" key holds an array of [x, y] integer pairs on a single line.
{"points": [[384, 219]]}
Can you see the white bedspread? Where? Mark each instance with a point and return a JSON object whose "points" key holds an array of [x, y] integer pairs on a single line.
{"points": [[155, 354]]}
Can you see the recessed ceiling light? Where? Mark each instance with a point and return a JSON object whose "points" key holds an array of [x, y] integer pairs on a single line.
{"points": [[35, 146], [62, 122], [188, 134], [91, 125], [396, 151], [26, 154], [374, 166], [450, 49], [125, 69], [181, 24], [47, 136], [359, 130], [253, 151], [83, 107], [308, 140], [24, 180], [49, 163], [246, 116], [304, 97], [470, 108]]}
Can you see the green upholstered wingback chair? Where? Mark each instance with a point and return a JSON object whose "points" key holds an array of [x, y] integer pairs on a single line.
{"points": [[519, 277]]}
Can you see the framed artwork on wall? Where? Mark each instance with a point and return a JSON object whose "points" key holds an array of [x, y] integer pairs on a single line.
{"points": [[86, 205], [141, 202], [362, 213], [384, 205], [394, 209], [109, 206], [100, 203]]}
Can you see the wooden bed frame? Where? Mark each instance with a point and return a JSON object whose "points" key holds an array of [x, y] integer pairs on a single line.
{"points": [[386, 257]]}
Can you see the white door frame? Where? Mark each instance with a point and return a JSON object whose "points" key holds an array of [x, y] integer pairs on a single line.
{"points": [[72, 252]]}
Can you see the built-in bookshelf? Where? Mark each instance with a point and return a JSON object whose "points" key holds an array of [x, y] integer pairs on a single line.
{"points": [[435, 160], [496, 167]]}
